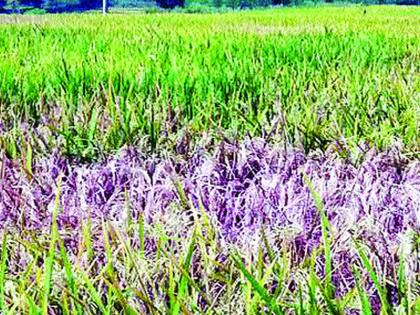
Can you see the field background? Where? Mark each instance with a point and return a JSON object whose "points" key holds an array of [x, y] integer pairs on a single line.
{"points": [[323, 74], [191, 6], [239, 162]]}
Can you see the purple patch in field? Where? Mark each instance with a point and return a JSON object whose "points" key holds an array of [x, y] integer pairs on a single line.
{"points": [[242, 187]]}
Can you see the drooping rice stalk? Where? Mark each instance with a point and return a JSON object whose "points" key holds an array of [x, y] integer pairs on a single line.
{"points": [[332, 248]]}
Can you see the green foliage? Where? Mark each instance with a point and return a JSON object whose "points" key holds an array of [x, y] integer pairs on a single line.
{"points": [[234, 4], [347, 74], [67, 5], [3, 270], [36, 11]]}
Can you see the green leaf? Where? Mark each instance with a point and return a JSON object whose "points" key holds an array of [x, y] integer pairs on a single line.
{"points": [[183, 284], [262, 292], [364, 299], [49, 264], [3, 272], [94, 294], [312, 284], [325, 227], [368, 266], [70, 277], [87, 238]]}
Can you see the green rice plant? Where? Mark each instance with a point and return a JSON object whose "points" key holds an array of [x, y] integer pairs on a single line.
{"points": [[262, 292], [3, 270], [71, 278], [386, 309], [340, 75], [81, 288], [183, 283], [50, 259], [87, 237], [364, 299], [94, 295]]}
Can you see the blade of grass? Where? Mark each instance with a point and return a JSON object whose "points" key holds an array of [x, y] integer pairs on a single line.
{"points": [[49, 265], [183, 284], [70, 278], [113, 285], [87, 238], [3, 272], [364, 299], [142, 295], [262, 292], [94, 294], [312, 285], [369, 268], [325, 228]]}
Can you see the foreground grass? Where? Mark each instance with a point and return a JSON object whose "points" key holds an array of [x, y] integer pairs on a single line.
{"points": [[249, 229], [187, 274], [311, 75]]}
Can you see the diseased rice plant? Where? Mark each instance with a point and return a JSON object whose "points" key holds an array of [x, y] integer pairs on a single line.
{"points": [[250, 228], [259, 162]]}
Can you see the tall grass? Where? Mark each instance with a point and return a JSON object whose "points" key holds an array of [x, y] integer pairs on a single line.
{"points": [[183, 275], [232, 228], [98, 82], [247, 229]]}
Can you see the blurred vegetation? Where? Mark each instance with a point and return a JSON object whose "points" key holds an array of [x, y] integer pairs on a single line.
{"points": [[54, 6]]}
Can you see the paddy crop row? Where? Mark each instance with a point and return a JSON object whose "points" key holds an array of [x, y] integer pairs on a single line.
{"points": [[309, 76], [249, 229], [242, 163]]}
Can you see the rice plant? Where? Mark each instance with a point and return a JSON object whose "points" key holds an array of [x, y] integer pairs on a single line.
{"points": [[99, 83], [258, 162]]}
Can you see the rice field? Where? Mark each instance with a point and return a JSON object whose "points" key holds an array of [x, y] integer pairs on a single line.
{"points": [[106, 82], [250, 162]]}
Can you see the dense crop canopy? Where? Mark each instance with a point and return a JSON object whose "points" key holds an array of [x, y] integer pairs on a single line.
{"points": [[238, 163], [244, 189], [330, 73]]}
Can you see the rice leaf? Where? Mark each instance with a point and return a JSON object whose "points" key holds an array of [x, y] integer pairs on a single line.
{"points": [[3, 270], [93, 293], [262, 292], [369, 268], [70, 277], [325, 228], [183, 284], [364, 298], [49, 265]]}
